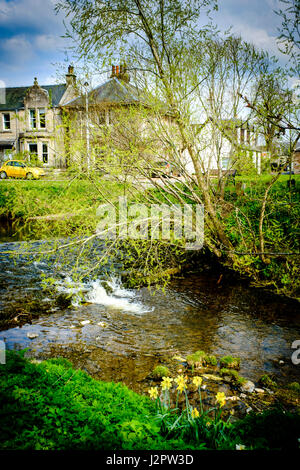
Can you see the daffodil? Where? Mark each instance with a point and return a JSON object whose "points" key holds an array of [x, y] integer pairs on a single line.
{"points": [[240, 447], [221, 398], [197, 381], [153, 392], [181, 381], [166, 383], [195, 413]]}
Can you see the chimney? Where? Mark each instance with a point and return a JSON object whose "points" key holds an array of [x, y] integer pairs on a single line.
{"points": [[120, 72], [70, 76], [113, 71], [123, 75]]}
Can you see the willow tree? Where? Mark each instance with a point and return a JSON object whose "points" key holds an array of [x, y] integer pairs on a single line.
{"points": [[189, 76]]}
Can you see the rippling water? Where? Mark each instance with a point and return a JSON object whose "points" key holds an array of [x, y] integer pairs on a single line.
{"points": [[192, 313]]}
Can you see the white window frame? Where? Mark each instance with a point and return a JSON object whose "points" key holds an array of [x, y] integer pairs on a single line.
{"points": [[39, 120], [31, 118], [3, 122], [45, 153]]}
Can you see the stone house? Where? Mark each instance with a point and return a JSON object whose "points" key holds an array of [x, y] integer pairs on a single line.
{"points": [[30, 120], [94, 114]]}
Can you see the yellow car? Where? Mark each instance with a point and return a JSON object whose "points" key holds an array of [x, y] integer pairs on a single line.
{"points": [[18, 169]]}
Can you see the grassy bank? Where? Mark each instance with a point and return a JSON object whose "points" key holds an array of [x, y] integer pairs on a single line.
{"points": [[44, 209], [48, 208], [52, 406]]}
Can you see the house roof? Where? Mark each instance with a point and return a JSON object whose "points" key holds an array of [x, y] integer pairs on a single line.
{"points": [[14, 96], [113, 91]]}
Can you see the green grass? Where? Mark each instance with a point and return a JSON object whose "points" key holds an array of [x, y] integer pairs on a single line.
{"points": [[51, 406]]}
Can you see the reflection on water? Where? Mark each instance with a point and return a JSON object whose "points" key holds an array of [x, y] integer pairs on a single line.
{"points": [[193, 313]]}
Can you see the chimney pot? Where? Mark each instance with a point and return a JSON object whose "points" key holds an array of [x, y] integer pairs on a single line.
{"points": [[117, 70]]}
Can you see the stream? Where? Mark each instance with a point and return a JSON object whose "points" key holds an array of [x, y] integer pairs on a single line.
{"points": [[120, 334]]}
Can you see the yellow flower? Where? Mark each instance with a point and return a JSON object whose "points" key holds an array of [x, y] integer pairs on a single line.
{"points": [[195, 413], [166, 383], [197, 381], [180, 379], [181, 383], [240, 447], [221, 398], [208, 423], [153, 392]]}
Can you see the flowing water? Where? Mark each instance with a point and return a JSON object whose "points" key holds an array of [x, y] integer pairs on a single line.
{"points": [[121, 334]]}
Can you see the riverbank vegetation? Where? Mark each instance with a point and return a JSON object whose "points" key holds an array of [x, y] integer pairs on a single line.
{"points": [[38, 210], [55, 407]]}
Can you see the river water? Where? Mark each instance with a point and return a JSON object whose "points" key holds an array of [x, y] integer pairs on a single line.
{"points": [[121, 334]]}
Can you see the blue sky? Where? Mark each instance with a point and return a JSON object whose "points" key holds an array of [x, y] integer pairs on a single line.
{"points": [[31, 44]]}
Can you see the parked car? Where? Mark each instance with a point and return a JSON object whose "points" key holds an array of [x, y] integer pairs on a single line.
{"points": [[19, 169], [161, 168]]}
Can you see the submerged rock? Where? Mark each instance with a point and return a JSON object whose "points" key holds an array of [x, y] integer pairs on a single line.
{"points": [[32, 335], [247, 386]]}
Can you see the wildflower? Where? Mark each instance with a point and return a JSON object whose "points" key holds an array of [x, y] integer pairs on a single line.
{"points": [[153, 392], [166, 383], [181, 383], [195, 413], [208, 423], [240, 447], [221, 398], [197, 381]]}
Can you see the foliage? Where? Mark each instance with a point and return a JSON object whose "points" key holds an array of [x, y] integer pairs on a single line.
{"points": [[56, 407], [272, 429], [267, 382], [230, 362], [295, 386], [200, 358], [160, 371], [233, 374], [51, 406]]}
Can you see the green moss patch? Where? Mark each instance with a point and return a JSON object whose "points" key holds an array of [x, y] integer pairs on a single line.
{"points": [[230, 362]]}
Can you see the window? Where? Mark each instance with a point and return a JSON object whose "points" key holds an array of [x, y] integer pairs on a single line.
{"points": [[248, 136], [32, 117], [33, 148], [6, 121], [45, 153], [225, 163], [18, 164], [42, 115]]}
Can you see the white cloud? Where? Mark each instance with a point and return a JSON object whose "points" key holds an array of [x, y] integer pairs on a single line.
{"points": [[49, 42], [17, 49], [36, 14]]}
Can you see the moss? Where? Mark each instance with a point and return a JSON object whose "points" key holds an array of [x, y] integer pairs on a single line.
{"points": [[230, 362], [160, 371], [234, 376], [268, 382], [295, 387], [200, 358]]}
